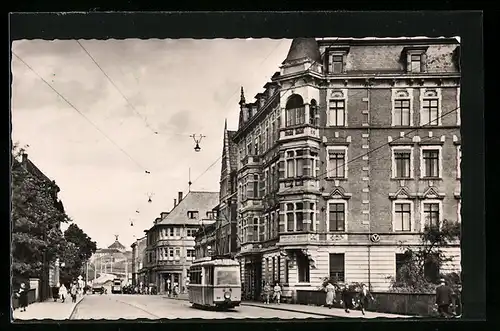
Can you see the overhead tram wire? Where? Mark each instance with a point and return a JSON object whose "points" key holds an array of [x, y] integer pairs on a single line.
{"points": [[117, 89], [81, 114], [237, 90]]}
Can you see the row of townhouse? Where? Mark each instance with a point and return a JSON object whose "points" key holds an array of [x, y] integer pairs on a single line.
{"points": [[353, 147], [163, 256]]}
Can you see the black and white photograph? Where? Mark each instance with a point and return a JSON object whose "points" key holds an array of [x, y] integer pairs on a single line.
{"points": [[240, 178]]}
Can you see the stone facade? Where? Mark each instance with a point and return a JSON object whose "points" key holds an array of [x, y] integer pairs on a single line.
{"points": [[352, 147]]}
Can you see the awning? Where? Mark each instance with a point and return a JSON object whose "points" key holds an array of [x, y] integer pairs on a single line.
{"points": [[290, 250]]}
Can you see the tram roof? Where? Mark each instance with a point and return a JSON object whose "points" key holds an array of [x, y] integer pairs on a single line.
{"points": [[214, 260]]}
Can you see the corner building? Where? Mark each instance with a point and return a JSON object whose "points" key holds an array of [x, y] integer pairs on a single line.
{"points": [[351, 149]]}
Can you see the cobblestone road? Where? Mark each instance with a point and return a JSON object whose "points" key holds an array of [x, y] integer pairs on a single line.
{"points": [[112, 307]]}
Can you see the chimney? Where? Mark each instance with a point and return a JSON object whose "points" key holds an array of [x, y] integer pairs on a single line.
{"points": [[24, 157], [175, 202], [180, 197]]}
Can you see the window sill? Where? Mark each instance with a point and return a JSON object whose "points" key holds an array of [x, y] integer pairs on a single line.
{"points": [[431, 178], [402, 178], [337, 178]]}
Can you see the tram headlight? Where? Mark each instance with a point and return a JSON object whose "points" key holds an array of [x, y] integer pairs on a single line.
{"points": [[227, 295]]}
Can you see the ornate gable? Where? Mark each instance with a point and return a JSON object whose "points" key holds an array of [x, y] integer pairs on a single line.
{"points": [[338, 192], [431, 193], [402, 194]]}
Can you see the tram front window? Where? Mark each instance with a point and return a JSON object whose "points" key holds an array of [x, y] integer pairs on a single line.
{"points": [[228, 277]]}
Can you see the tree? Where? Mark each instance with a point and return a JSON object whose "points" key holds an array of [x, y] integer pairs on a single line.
{"points": [[80, 248], [420, 271], [35, 221]]}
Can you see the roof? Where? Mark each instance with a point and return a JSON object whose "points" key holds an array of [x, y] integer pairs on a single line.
{"points": [[202, 202], [233, 151], [117, 245], [303, 48]]}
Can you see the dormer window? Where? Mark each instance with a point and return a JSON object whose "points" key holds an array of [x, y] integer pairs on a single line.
{"points": [[337, 64], [416, 63], [192, 214], [415, 59], [337, 60]]}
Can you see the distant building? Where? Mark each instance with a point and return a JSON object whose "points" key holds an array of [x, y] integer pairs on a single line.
{"points": [[170, 242], [353, 147], [115, 259], [138, 257]]}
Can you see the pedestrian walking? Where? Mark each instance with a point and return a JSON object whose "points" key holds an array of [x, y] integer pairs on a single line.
{"points": [[277, 293], [63, 292], [330, 294], [364, 297], [55, 292], [267, 293], [22, 295], [444, 298], [73, 292], [346, 297]]}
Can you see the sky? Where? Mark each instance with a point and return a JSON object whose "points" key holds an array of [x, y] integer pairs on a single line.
{"points": [[98, 153]]}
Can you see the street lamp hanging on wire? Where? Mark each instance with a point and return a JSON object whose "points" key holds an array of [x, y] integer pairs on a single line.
{"points": [[197, 141], [150, 195]]}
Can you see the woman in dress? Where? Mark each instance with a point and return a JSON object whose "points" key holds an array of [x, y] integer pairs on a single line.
{"points": [[63, 292], [330, 294]]}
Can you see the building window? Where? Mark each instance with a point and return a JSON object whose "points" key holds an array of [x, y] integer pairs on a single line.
{"points": [[312, 215], [303, 268], [295, 163], [337, 162], [431, 268], [402, 215], [431, 162], [431, 107], [337, 64], [171, 252], [416, 63], [192, 214], [262, 230], [313, 113], [402, 162], [401, 261], [336, 114], [295, 111], [431, 213], [177, 232], [255, 229], [191, 232], [337, 267], [295, 217], [402, 107], [290, 164], [459, 161], [337, 215], [255, 186], [190, 254], [290, 219]]}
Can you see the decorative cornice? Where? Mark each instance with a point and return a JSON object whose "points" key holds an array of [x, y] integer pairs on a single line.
{"points": [[403, 194]]}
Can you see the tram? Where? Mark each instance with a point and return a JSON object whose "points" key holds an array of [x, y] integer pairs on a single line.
{"points": [[215, 282], [116, 287]]}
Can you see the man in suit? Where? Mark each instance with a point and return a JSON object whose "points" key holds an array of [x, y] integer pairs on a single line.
{"points": [[364, 296], [444, 298]]}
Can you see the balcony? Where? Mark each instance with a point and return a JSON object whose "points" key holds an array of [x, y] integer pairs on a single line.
{"points": [[294, 132], [251, 160], [304, 238]]}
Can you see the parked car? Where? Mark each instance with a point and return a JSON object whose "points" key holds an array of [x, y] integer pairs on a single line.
{"points": [[98, 289]]}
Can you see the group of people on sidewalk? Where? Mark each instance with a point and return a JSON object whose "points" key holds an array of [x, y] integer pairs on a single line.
{"points": [[360, 298], [272, 293], [60, 291]]}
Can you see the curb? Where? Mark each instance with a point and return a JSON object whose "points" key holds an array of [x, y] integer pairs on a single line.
{"points": [[73, 311], [273, 308]]}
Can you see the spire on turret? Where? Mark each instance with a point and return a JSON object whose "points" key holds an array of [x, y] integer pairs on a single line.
{"points": [[242, 97], [303, 48]]}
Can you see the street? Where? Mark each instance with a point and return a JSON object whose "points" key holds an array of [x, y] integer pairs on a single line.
{"points": [[112, 307]]}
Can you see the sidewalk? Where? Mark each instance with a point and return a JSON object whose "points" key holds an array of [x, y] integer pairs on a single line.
{"points": [[47, 310], [314, 310]]}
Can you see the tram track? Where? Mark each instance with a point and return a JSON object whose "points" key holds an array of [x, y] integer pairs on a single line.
{"points": [[74, 313]]}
